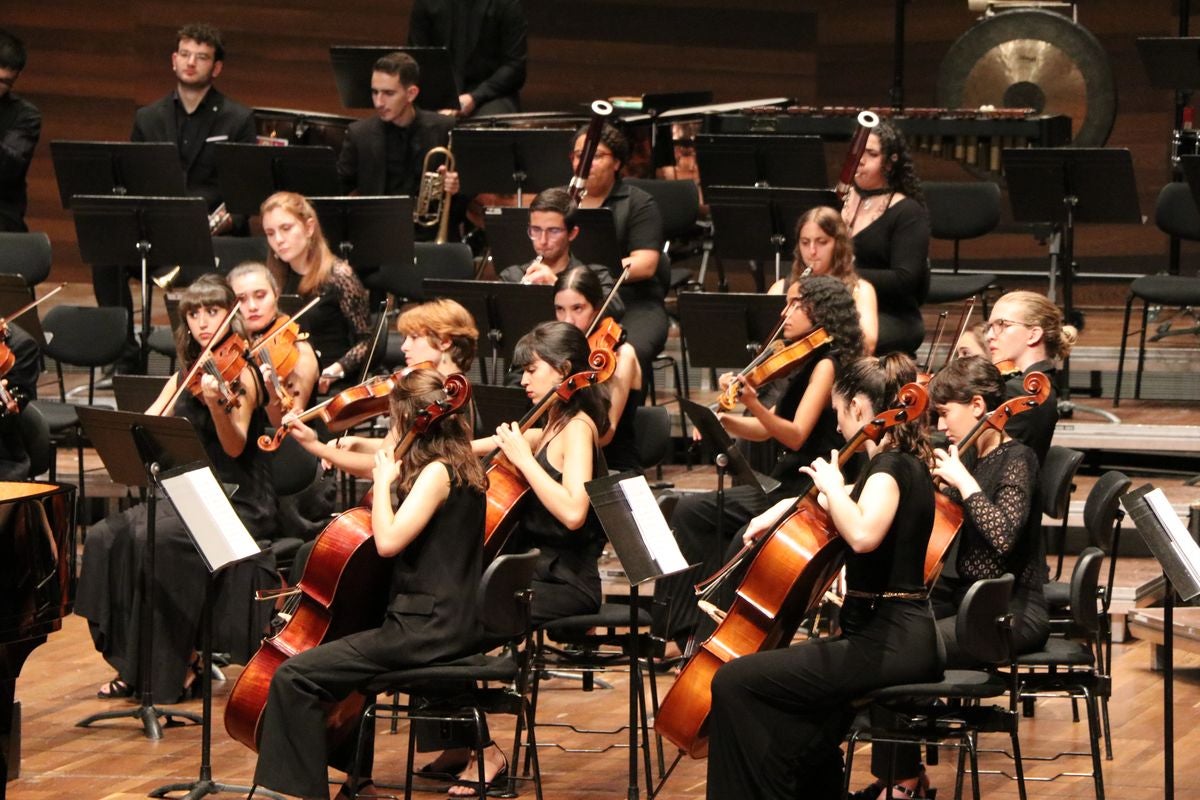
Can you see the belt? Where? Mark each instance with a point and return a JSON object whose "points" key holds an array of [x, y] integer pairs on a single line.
{"points": [[874, 596]]}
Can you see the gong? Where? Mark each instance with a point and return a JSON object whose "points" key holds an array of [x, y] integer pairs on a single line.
{"points": [[1033, 59]]}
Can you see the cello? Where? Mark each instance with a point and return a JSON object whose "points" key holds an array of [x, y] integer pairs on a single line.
{"points": [[344, 590], [794, 563]]}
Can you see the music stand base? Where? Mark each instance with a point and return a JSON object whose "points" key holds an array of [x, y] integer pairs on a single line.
{"points": [[149, 716], [198, 789], [1067, 408]]}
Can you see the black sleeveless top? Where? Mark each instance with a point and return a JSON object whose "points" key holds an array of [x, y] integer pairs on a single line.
{"points": [[824, 436], [898, 564]]}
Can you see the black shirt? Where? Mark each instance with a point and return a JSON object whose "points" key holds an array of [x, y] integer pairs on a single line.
{"points": [[403, 174], [20, 127], [898, 564]]}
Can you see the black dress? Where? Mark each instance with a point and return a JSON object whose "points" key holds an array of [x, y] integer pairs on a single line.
{"points": [[109, 595], [778, 717], [338, 327], [1036, 426], [621, 451], [431, 618], [893, 254]]}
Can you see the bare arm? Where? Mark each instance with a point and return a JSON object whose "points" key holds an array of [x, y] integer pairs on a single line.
{"points": [[865, 523], [395, 529], [567, 501]]}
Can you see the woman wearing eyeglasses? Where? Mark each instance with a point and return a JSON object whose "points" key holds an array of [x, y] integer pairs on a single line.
{"points": [[1027, 329]]}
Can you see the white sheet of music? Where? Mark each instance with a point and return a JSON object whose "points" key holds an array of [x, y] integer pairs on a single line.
{"points": [[1185, 546], [215, 528], [652, 525]]}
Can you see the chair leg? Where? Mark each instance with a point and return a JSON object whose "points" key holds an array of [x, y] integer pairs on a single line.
{"points": [[1141, 362], [851, 744], [1121, 357], [973, 753], [1014, 735], [1094, 737]]}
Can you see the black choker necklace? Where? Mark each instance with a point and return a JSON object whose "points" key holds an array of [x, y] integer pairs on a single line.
{"points": [[871, 192]]}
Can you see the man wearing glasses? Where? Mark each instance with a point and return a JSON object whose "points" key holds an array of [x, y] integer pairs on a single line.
{"points": [[552, 228], [20, 126]]}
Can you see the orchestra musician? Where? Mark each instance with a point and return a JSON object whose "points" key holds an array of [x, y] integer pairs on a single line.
{"points": [[109, 596], [558, 519], [434, 530], [1027, 330], [824, 247], [339, 328], [996, 483], [20, 385], [20, 129], [640, 236], [885, 212], [578, 297], [552, 228], [802, 421], [779, 716]]}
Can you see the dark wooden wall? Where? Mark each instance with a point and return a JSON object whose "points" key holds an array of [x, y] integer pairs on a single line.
{"points": [[92, 63]]}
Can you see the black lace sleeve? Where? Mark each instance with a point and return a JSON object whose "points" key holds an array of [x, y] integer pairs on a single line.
{"points": [[352, 301], [1001, 517]]}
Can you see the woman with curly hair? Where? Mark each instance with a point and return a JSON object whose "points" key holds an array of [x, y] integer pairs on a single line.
{"points": [[885, 212], [802, 421]]}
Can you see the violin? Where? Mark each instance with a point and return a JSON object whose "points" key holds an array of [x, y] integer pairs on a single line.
{"points": [[607, 335], [778, 360], [225, 362], [276, 349], [1008, 368], [507, 487], [795, 561], [347, 408], [344, 590]]}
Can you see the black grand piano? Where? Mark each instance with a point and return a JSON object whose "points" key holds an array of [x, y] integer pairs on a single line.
{"points": [[37, 587]]}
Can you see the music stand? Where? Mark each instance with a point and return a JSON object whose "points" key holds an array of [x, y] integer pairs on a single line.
{"points": [[137, 392], [504, 312], [148, 169], [725, 330], [647, 550], [1179, 556], [498, 404], [353, 65], [727, 454], [511, 160], [150, 231], [134, 448], [250, 173], [368, 232], [756, 223], [1066, 186], [775, 159]]}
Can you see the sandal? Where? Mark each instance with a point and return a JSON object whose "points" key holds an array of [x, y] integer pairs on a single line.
{"points": [[345, 792], [473, 785], [116, 689], [449, 769]]}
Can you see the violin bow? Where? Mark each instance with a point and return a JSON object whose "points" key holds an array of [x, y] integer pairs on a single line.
{"points": [[33, 303], [613, 293], [208, 348], [278, 330], [379, 329], [968, 307]]}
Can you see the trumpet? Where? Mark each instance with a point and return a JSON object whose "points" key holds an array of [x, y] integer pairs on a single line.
{"points": [[433, 202], [165, 280]]}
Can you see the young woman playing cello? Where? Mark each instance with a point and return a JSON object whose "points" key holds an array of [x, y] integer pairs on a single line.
{"points": [[778, 717], [112, 556], [434, 529]]}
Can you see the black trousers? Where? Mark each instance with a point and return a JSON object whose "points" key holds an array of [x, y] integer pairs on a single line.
{"points": [[646, 326], [779, 717]]}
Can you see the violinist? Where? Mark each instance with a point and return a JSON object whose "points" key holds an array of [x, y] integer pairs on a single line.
{"points": [[1027, 330], [19, 384], [577, 299], [339, 328], [996, 483], [258, 292], [779, 716], [112, 555], [556, 460], [433, 526], [801, 421], [823, 247]]}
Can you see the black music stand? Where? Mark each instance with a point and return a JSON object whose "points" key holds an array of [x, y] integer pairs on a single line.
{"points": [[508, 237], [250, 173], [221, 539], [511, 160], [150, 231], [758, 223], [724, 330], [1179, 556], [149, 169], [775, 159], [368, 231], [134, 448], [1066, 186], [504, 312], [647, 551], [728, 456], [352, 67], [498, 404]]}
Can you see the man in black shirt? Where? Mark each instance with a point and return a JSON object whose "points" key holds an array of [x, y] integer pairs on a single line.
{"points": [[20, 126]]}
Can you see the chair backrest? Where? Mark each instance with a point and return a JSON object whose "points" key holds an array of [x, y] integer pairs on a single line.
{"points": [[293, 469], [35, 434], [229, 251], [652, 434], [962, 210], [85, 336], [1058, 475], [27, 255], [1175, 212], [1085, 583], [452, 260], [15, 292], [503, 612], [678, 202], [979, 625], [1102, 509]]}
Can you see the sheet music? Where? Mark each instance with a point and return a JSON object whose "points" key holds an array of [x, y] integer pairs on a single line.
{"points": [[653, 526], [1181, 540], [213, 525]]}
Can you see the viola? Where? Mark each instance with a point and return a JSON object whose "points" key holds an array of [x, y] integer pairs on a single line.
{"points": [[8, 360], [1008, 368], [607, 335], [279, 352], [224, 362], [344, 590], [777, 361], [794, 563], [507, 487], [347, 408]]}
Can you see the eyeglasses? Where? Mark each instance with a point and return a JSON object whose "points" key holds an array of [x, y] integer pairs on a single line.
{"points": [[187, 55], [536, 232], [998, 326]]}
